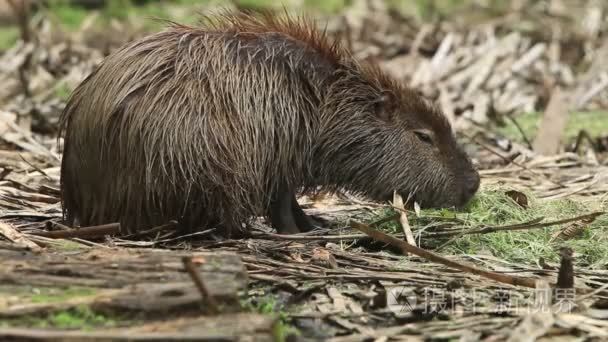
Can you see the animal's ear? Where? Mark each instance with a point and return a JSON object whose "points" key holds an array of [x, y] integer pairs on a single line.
{"points": [[384, 106]]}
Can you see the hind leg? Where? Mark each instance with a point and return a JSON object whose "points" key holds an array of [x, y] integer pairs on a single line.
{"points": [[281, 213]]}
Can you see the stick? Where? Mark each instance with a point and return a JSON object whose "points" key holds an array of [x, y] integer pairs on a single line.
{"points": [[35, 167], [297, 237], [200, 284], [491, 150], [404, 246], [461, 233], [294, 237], [535, 223], [83, 233], [405, 224], [521, 131], [169, 225]]}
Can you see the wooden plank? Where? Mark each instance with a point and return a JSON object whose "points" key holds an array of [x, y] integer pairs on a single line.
{"points": [[149, 281]]}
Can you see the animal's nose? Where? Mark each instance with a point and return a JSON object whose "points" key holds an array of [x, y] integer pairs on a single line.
{"points": [[472, 184]]}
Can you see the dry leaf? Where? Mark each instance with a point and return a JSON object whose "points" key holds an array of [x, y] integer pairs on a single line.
{"points": [[573, 230], [519, 197], [297, 257], [323, 257]]}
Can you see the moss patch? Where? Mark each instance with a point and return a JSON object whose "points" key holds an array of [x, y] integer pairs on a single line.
{"points": [[80, 317]]}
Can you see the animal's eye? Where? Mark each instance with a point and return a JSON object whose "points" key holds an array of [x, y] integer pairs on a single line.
{"points": [[424, 137]]}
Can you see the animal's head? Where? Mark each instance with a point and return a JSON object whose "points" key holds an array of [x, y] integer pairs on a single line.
{"points": [[428, 164], [398, 141]]}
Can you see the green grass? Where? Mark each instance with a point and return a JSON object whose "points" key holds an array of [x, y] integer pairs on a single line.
{"points": [[595, 123], [80, 317], [8, 37], [70, 17], [53, 295], [268, 305], [45, 294], [63, 91], [492, 207]]}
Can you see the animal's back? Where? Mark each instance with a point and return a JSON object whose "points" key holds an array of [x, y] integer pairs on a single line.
{"points": [[189, 124]]}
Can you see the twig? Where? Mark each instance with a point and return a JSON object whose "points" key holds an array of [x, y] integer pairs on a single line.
{"points": [[491, 150], [405, 224], [299, 237], [532, 224], [521, 131], [464, 232], [169, 225], [536, 223], [296, 237], [83, 233], [89, 243], [384, 220], [596, 89], [200, 284], [571, 192], [35, 167], [584, 135], [201, 233], [420, 36], [404, 246], [592, 293], [50, 225]]}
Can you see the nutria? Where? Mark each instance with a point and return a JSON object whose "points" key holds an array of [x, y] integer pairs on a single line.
{"points": [[213, 125]]}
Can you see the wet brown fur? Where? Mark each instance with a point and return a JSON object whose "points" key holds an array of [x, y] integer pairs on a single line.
{"points": [[205, 124]]}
